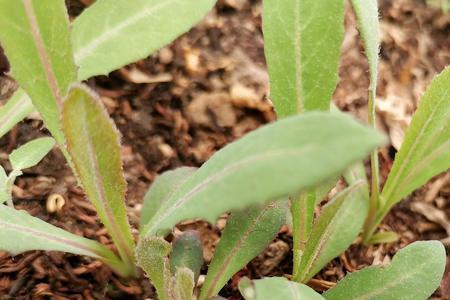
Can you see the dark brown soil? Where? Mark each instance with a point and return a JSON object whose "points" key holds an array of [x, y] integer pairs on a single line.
{"points": [[191, 98]]}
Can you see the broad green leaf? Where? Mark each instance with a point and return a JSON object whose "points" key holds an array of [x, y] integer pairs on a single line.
{"points": [[110, 34], [334, 230], [276, 288], [92, 141], [368, 25], [246, 234], [35, 37], [30, 154], [302, 43], [20, 232], [253, 171], [155, 200], [414, 274], [383, 238], [152, 256], [187, 252], [183, 284], [425, 151], [15, 110]]}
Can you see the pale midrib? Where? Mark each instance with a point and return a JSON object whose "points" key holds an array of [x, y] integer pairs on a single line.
{"points": [[392, 283], [328, 231], [199, 187], [29, 231], [418, 167], [235, 249], [42, 53], [387, 195], [116, 233], [89, 48], [298, 59], [17, 107]]}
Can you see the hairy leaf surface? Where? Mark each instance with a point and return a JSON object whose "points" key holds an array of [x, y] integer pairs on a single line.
{"points": [[368, 25], [35, 37], [414, 274], [20, 232], [334, 230], [93, 145], [246, 234], [425, 151], [111, 34], [276, 288], [302, 43], [254, 171], [152, 256], [30, 154], [165, 185], [187, 252], [15, 110]]}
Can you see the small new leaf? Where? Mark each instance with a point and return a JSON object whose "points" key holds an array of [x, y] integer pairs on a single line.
{"points": [[276, 288], [302, 44], [414, 274], [31, 153], [259, 172], [152, 256], [111, 34], [246, 234], [183, 284], [187, 252]]}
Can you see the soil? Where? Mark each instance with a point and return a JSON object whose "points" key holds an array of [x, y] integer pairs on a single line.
{"points": [[206, 89]]}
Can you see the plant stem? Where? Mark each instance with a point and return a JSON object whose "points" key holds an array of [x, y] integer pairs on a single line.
{"points": [[375, 180], [302, 210]]}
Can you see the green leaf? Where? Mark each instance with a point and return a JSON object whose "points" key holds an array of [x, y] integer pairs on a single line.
{"points": [[246, 234], [4, 193], [276, 288], [187, 251], [35, 37], [414, 274], [20, 232], [183, 284], [15, 110], [111, 34], [302, 43], [383, 238], [92, 141], [165, 185], [152, 256], [334, 230], [425, 151], [368, 25], [30, 154], [252, 171]]}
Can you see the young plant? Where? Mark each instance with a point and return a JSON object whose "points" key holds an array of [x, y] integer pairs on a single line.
{"points": [[302, 46], [243, 178], [24, 157], [394, 281]]}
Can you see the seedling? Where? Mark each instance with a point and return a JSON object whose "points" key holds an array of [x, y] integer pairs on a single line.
{"points": [[246, 172], [22, 158], [394, 281], [251, 178], [302, 46]]}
